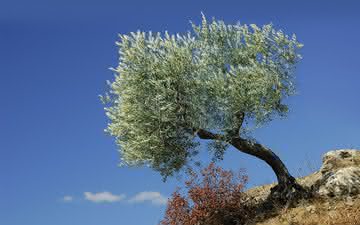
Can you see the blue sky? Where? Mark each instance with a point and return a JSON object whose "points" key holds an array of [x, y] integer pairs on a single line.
{"points": [[54, 60]]}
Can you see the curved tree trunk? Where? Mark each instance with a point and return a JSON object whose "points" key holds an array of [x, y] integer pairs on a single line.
{"points": [[265, 154], [287, 187]]}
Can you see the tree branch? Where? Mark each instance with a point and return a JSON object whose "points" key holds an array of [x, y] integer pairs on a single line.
{"points": [[240, 116], [204, 134]]}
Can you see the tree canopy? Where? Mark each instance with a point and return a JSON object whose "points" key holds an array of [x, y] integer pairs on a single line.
{"points": [[217, 77]]}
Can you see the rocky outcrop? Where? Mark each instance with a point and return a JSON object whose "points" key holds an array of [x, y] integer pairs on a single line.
{"points": [[335, 160], [340, 174]]}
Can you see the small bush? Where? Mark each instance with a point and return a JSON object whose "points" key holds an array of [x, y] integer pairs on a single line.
{"points": [[217, 198]]}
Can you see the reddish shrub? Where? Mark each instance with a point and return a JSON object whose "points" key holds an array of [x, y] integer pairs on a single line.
{"points": [[217, 198]]}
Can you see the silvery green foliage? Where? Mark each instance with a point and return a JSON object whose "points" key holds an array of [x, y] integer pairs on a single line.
{"points": [[217, 148], [167, 85]]}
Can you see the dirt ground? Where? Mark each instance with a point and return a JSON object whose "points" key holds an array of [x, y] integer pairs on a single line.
{"points": [[320, 211]]}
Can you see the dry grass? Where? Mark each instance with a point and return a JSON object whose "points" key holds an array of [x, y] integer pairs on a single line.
{"points": [[325, 211], [319, 212], [261, 192]]}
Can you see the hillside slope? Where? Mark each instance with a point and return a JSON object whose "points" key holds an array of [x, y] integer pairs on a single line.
{"points": [[336, 198]]}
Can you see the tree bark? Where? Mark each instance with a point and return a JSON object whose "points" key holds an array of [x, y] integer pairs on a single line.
{"points": [[287, 187], [265, 154]]}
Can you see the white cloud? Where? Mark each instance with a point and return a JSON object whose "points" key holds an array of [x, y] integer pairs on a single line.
{"points": [[154, 197], [67, 198], [102, 197]]}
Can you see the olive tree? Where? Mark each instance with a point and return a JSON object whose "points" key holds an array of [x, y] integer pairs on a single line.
{"points": [[216, 82]]}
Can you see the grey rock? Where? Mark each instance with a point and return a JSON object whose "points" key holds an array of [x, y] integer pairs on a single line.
{"points": [[340, 174], [343, 182], [334, 160]]}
